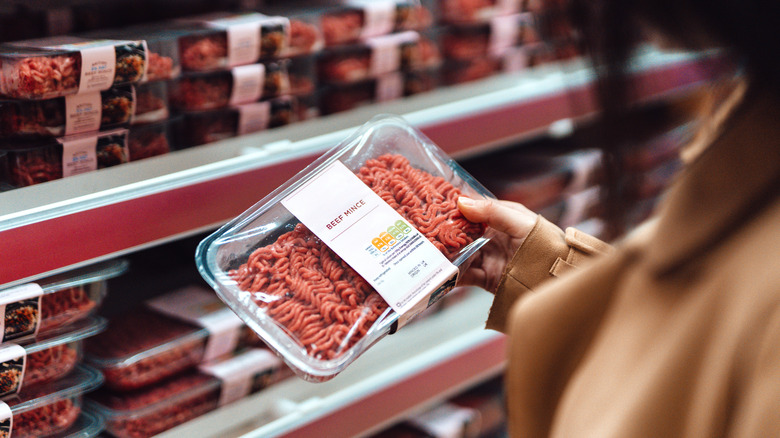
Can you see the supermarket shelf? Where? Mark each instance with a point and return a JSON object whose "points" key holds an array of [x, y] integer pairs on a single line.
{"points": [[103, 214], [423, 364]]}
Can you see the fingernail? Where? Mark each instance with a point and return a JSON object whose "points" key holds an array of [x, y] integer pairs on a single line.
{"points": [[466, 202]]}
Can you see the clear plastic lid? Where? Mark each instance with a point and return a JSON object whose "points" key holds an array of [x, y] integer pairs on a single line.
{"points": [[87, 425], [82, 380], [81, 276], [318, 333], [75, 332]]}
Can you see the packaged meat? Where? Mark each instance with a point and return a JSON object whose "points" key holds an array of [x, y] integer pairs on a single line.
{"points": [[39, 161], [461, 71], [491, 38], [200, 48], [359, 19], [421, 81], [376, 56], [60, 66], [151, 102], [152, 139], [149, 411], [49, 358], [169, 334], [302, 74], [36, 308], [305, 35], [251, 36], [87, 425], [162, 47], [202, 127], [320, 302], [69, 115], [308, 107], [50, 409], [336, 98], [475, 11], [243, 84]]}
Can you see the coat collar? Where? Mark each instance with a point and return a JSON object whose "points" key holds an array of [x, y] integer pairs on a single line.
{"points": [[737, 174]]}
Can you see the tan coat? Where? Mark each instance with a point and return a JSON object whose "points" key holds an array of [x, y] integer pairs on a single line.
{"points": [[675, 333]]}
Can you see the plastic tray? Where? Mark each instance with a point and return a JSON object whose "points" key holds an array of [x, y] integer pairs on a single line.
{"points": [[74, 295], [153, 139], [87, 425], [377, 56], [205, 127], [142, 347], [104, 110], [152, 410], [492, 38], [267, 228], [53, 408], [244, 84], [39, 161], [43, 69], [151, 102], [51, 357]]}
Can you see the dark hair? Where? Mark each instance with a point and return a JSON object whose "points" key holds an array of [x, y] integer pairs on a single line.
{"points": [[610, 29]]}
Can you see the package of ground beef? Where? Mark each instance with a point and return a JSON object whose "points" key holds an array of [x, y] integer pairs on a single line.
{"points": [[151, 102], [354, 20], [170, 333], [46, 304], [475, 11], [352, 248], [49, 358], [61, 66], [152, 139], [75, 114], [46, 410], [149, 411], [37, 161]]}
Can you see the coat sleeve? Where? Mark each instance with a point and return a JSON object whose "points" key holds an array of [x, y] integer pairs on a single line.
{"points": [[546, 253]]}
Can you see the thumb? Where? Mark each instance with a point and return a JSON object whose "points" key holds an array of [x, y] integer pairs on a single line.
{"points": [[508, 217]]}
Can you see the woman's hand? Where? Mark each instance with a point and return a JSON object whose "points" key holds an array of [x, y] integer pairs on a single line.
{"points": [[512, 221]]}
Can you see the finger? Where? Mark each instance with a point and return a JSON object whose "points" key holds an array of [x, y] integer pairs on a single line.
{"points": [[512, 220]]}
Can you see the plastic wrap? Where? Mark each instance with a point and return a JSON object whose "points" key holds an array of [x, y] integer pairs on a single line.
{"points": [[77, 114], [51, 357], [152, 410], [48, 68], [244, 84], [37, 162], [53, 408], [153, 139], [204, 127], [321, 315], [162, 48], [53, 302], [151, 102]]}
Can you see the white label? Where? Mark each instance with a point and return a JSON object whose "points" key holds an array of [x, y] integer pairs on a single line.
{"points": [[243, 374], [378, 17], [389, 87], [253, 117], [506, 7], [6, 420], [386, 51], [79, 155], [98, 65], [243, 43], [20, 307], [12, 365], [83, 112], [504, 33], [394, 257], [202, 307], [445, 421], [248, 81]]}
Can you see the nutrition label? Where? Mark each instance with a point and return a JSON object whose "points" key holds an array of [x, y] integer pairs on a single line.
{"points": [[394, 257]]}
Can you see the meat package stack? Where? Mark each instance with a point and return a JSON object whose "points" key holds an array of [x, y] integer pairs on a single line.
{"points": [[375, 51], [178, 356], [66, 105], [42, 378]]}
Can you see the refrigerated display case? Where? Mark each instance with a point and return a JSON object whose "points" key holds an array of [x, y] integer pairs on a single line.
{"points": [[150, 202]]}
